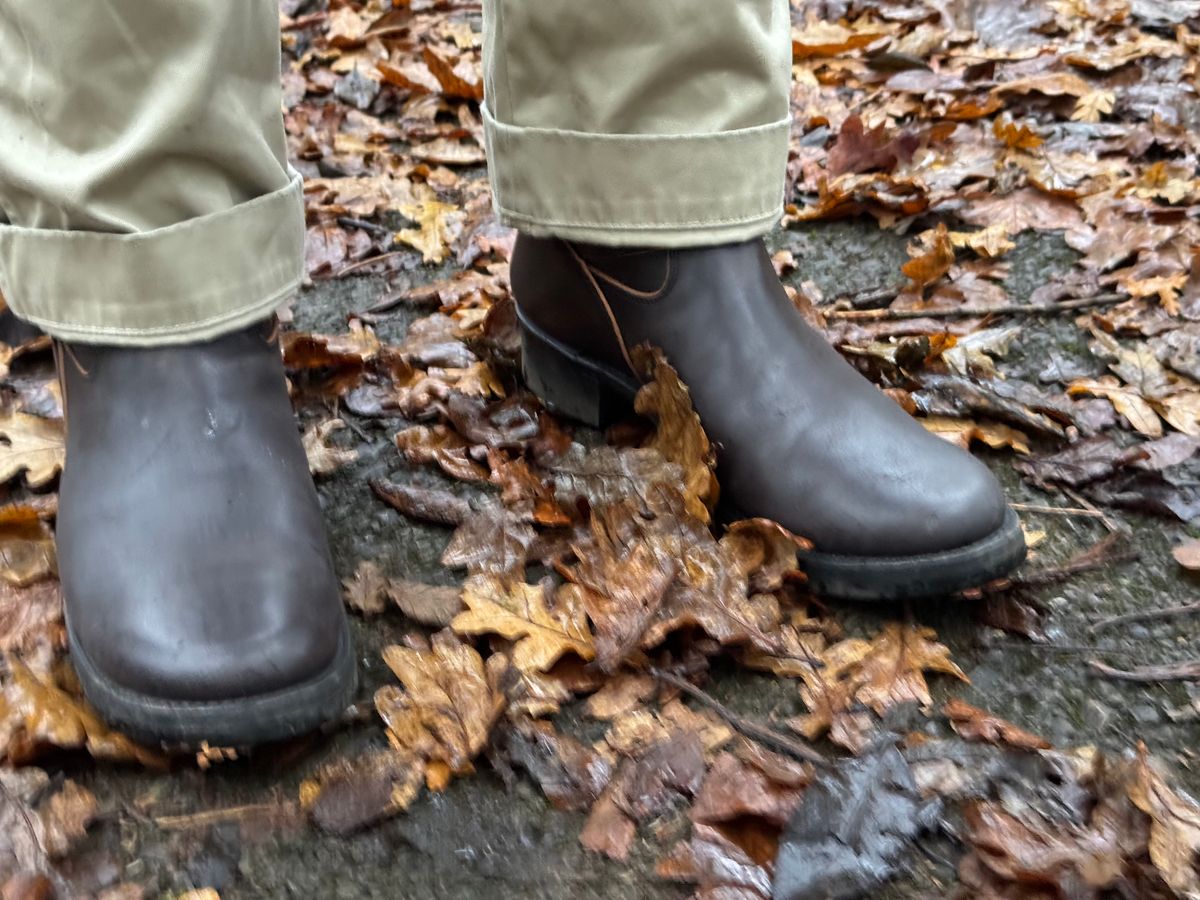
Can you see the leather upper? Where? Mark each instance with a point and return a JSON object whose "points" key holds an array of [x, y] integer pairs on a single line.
{"points": [[191, 544], [802, 437]]}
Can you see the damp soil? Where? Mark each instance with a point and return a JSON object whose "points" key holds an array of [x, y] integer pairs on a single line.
{"points": [[233, 827]]}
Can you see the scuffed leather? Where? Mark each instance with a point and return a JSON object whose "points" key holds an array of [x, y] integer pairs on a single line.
{"points": [[802, 437], [192, 551]]}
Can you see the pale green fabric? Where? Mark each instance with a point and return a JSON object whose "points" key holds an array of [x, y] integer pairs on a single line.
{"points": [[145, 196], [143, 169], [638, 122]]}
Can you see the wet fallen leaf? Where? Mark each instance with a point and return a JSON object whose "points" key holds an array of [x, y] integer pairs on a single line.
{"points": [[448, 704], [31, 445], [1174, 827], [37, 715], [678, 434], [442, 446], [325, 458], [930, 262], [39, 822], [27, 549], [975, 724], [544, 623], [571, 774]]}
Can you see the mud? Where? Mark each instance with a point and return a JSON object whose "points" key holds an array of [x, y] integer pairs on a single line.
{"points": [[232, 828]]}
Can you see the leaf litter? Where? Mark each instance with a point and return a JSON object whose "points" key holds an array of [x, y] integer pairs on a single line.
{"points": [[590, 568]]}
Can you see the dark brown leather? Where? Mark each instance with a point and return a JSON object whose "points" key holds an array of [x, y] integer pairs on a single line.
{"points": [[802, 437], [191, 545]]}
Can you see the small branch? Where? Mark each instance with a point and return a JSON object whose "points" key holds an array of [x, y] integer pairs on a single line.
{"points": [[214, 816], [1058, 510], [760, 733], [1106, 520], [970, 312], [351, 222], [1146, 616], [1187, 671], [1099, 555]]}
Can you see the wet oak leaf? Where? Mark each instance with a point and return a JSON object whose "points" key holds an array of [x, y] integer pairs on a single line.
{"points": [[975, 724], [492, 541], [449, 702], [621, 695], [325, 458], [1174, 827], [963, 432], [545, 625], [438, 225], [1126, 400], [40, 824], [31, 618], [734, 789], [27, 549], [31, 445], [678, 434], [894, 665], [853, 826], [822, 38], [442, 446], [37, 715], [859, 149], [932, 261], [570, 774]]}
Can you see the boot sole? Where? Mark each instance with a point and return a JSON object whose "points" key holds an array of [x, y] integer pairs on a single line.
{"points": [[576, 387], [237, 722]]}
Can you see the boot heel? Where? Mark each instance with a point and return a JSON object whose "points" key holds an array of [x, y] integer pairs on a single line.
{"points": [[566, 386]]}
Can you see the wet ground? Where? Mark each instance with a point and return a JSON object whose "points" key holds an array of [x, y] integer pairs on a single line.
{"points": [[235, 827]]}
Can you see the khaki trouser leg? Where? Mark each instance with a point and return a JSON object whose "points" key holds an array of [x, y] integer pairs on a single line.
{"points": [[143, 171], [638, 122]]}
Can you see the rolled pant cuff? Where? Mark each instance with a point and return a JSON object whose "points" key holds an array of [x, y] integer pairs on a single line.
{"points": [[188, 282], [657, 190]]}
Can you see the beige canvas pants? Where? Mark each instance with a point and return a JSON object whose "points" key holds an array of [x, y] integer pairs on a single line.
{"points": [[145, 195]]}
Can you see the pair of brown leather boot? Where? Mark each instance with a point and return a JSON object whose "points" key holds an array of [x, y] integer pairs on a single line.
{"points": [[202, 603]]}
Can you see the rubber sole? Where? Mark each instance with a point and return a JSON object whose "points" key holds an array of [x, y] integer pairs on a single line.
{"points": [[239, 722], [876, 578], [578, 388]]}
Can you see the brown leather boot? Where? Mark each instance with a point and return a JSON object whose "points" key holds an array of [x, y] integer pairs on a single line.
{"points": [[200, 596], [892, 510]]}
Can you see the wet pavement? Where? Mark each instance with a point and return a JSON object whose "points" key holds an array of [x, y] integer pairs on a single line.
{"points": [[235, 827]]}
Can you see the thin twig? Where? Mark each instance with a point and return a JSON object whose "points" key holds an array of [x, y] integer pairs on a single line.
{"points": [[363, 263], [758, 732], [213, 816], [1058, 510], [970, 312], [1186, 671], [1150, 615], [1104, 553], [351, 222], [1113, 525]]}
